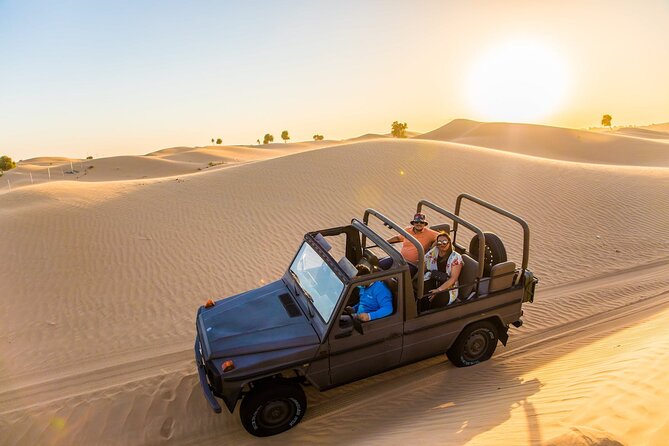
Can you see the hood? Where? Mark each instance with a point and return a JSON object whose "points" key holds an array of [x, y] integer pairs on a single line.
{"points": [[261, 320]]}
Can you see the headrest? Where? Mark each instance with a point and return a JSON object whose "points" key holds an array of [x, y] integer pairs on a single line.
{"points": [[441, 227], [372, 259]]}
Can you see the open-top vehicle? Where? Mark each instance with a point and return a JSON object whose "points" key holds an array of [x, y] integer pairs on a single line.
{"points": [[261, 346]]}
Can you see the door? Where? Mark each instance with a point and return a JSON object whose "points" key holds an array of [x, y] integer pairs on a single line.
{"points": [[354, 355]]}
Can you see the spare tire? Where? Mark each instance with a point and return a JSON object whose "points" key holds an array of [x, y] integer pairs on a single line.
{"points": [[494, 251]]}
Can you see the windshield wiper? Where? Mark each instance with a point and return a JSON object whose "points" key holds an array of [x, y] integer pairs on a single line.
{"points": [[305, 292]]}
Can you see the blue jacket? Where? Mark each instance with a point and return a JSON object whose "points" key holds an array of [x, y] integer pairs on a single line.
{"points": [[375, 299]]}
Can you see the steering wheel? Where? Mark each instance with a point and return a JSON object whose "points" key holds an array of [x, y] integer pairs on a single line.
{"points": [[356, 322]]}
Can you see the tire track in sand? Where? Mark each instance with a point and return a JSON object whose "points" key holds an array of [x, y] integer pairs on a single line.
{"points": [[88, 378]]}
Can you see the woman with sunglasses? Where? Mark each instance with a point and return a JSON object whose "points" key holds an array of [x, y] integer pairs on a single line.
{"points": [[443, 265]]}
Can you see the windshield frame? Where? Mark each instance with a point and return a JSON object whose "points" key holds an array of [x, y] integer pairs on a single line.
{"points": [[311, 296]]}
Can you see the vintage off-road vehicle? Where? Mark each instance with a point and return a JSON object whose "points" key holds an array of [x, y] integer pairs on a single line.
{"points": [[261, 346]]}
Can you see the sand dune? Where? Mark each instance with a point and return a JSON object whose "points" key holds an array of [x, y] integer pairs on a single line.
{"points": [[105, 278], [555, 143], [368, 136], [657, 127], [643, 133], [162, 163]]}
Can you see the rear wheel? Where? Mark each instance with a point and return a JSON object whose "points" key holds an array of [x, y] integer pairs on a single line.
{"points": [[476, 343], [273, 407]]}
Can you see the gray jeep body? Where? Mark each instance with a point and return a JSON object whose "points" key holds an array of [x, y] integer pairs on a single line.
{"points": [[276, 331]]}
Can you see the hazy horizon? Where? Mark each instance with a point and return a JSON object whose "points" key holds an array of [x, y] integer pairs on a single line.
{"points": [[103, 79]]}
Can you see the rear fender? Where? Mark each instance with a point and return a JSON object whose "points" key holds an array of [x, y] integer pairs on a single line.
{"points": [[503, 330]]}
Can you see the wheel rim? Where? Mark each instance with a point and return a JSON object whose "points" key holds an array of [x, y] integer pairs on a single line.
{"points": [[476, 345], [276, 413]]}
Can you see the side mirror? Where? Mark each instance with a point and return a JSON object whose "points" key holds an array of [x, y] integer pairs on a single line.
{"points": [[346, 326], [345, 321], [348, 313]]}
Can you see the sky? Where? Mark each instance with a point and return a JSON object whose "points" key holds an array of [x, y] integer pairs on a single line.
{"points": [[92, 78]]}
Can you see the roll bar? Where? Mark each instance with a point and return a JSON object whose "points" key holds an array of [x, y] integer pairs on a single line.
{"points": [[456, 219], [391, 224], [505, 213]]}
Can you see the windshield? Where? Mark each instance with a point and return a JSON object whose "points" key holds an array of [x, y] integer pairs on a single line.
{"points": [[317, 279]]}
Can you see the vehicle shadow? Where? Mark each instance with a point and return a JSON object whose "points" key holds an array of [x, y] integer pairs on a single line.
{"points": [[440, 402]]}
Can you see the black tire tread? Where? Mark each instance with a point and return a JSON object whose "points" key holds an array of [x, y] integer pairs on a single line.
{"points": [[495, 251], [274, 388], [454, 353]]}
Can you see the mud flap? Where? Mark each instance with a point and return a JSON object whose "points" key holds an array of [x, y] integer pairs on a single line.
{"points": [[504, 336]]}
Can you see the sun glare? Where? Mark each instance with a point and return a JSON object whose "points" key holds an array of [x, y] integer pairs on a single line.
{"points": [[517, 81]]}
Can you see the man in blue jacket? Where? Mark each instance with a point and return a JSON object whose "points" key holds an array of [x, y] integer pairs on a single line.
{"points": [[376, 300]]}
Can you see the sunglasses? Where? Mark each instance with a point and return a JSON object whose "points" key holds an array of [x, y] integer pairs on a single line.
{"points": [[422, 223], [443, 242]]}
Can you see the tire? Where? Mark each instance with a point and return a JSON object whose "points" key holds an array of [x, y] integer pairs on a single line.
{"points": [[272, 408], [476, 344], [495, 252]]}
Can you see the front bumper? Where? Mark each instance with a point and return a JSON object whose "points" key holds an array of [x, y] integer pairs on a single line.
{"points": [[206, 388]]}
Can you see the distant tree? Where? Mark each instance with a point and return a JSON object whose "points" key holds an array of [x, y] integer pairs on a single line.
{"points": [[399, 129], [6, 163], [212, 140], [267, 139], [89, 157], [258, 141], [285, 136], [219, 141], [318, 137], [606, 121]]}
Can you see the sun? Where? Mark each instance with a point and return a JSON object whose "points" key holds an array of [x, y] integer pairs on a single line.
{"points": [[520, 81]]}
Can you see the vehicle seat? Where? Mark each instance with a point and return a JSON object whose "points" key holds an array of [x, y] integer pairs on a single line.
{"points": [[441, 227], [372, 259], [501, 276], [466, 280], [392, 286], [467, 277]]}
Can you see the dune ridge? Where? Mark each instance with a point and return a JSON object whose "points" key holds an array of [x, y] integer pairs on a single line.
{"points": [[555, 143]]}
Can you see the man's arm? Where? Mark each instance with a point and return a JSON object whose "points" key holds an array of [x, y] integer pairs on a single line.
{"points": [[394, 239]]}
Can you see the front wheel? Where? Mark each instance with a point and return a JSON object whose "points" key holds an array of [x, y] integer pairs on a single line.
{"points": [[272, 408], [476, 343]]}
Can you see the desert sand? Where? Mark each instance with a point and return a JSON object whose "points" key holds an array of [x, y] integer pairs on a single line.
{"points": [[104, 269]]}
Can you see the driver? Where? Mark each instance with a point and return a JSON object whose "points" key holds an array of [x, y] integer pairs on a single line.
{"points": [[376, 300]]}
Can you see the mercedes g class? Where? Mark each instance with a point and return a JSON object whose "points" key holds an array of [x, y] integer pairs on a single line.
{"points": [[263, 345]]}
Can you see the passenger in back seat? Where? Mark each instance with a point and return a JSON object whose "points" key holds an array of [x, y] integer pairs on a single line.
{"points": [[443, 265], [420, 232]]}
